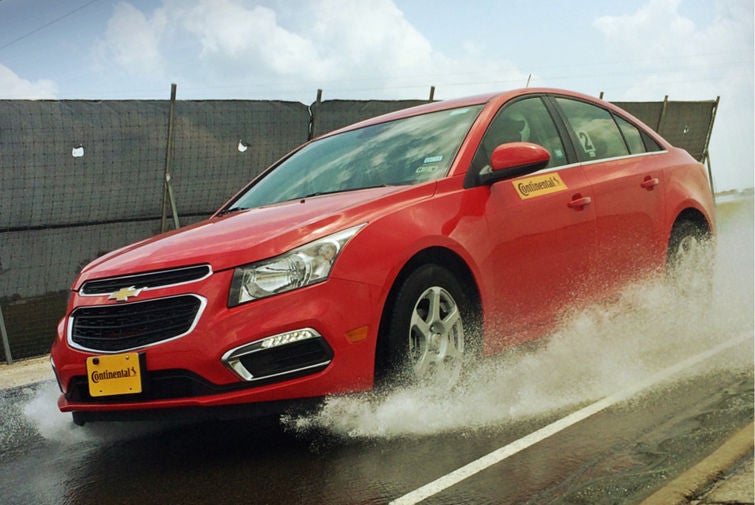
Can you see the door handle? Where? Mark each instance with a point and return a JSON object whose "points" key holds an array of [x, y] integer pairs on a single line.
{"points": [[578, 202], [650, 182]]}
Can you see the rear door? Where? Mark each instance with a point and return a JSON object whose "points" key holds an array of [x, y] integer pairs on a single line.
{"points": [[627, 194]]}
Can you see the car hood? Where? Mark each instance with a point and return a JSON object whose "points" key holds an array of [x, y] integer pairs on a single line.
{"points": [[251, 235]]}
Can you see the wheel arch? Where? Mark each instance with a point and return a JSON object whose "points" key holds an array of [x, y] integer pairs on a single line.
{"points": [[691, 215], [442, 257], [696, 217]]}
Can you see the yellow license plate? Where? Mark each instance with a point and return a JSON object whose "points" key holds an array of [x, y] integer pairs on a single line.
{"points": [[114, 374]]}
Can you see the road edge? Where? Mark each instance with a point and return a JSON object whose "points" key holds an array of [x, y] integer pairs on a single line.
{"points": [[25, 372], [697, 479]]}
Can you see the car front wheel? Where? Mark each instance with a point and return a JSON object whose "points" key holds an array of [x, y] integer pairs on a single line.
{"points": [[427, 335]]}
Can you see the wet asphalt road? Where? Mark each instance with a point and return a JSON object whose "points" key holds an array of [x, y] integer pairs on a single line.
{"points": [[619, 455]]}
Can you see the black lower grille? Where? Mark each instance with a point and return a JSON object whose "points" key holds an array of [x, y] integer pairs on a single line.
{"points": [[114, 328], [289, 358]]}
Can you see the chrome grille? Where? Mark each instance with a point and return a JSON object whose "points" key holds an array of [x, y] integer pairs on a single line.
{"points": [[146, 280], [115, 328]]}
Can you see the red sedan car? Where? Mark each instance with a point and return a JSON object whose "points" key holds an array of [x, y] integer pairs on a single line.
{"points": [[394, 249]]}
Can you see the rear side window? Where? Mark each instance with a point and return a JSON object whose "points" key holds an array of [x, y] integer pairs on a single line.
{"points": [[598, 135], [631, 135]]}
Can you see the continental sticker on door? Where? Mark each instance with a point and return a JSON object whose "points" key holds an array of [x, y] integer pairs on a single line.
{"points": [[116, 374], [539, 185]]}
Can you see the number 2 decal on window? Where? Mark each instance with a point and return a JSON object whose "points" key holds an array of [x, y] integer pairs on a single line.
{"points": [[587, 145]]}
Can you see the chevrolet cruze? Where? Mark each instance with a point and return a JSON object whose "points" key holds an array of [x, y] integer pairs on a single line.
{"points": [[392, 250]]}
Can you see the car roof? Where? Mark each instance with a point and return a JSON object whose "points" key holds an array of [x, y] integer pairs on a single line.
{"points": [[498, 97], [418, 110], [495, 100]]}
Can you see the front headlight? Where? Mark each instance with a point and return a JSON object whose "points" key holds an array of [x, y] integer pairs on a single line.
{"points": [[305, 265]]}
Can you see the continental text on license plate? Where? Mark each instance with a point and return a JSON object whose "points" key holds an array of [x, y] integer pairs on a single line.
{"points": [[115, 374]]}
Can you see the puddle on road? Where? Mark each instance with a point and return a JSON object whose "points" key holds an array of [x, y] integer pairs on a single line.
{"points": [[594, 353]]}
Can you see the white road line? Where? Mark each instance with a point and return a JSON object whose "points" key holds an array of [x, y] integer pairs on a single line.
{"points": [[504, 452]]}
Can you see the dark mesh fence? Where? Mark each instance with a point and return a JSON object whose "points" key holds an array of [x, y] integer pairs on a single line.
{"points": [[221, 145], [72, 162], [81, 178], [333, 114], [648, 112], [76, 162], [685, 124]]}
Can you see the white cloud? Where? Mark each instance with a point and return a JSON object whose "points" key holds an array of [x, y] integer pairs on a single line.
{"points": [[655, 29], [14, 87], [371, 42], [364, 49], [671, 55], [228, 31], [370, 34], [132, 41], [675, 56]]}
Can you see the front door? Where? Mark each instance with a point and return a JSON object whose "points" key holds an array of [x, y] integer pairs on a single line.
{"points": [[541, 231]]}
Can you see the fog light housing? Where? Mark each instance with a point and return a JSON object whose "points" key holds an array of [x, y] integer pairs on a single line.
{"points": [[293, 353]]}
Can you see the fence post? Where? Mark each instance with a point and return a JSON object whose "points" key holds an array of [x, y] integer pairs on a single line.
{"points": [[168, 198], [314, 117], [662, 116], [706, 154], [6, 344]]}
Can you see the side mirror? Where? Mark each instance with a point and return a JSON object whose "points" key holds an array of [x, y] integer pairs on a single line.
{"points": [[515, 159]]}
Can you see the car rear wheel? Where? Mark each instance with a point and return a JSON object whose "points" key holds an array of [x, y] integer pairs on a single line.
{"points": [[427, 337], [689, 262]]}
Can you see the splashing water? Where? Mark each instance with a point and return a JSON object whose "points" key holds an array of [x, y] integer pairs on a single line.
{"points": [[42, 412], [593, 353]]}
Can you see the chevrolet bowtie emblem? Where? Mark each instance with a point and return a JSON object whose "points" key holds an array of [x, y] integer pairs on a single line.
{"points": [[124, 294]]}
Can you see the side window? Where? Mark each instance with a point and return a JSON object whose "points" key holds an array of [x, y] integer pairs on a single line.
{"points": [[631, 135], [598, 136], [525, 120], [651, 145]]}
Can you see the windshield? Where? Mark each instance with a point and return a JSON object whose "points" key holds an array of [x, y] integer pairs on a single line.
{"points": [[405, 151]]}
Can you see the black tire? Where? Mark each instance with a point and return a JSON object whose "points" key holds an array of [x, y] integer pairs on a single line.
{"points": [[689, 260], [429, 334]]}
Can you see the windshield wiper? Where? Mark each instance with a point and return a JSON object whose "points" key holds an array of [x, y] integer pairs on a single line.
{"points": [[319, 193], [230, 210]]}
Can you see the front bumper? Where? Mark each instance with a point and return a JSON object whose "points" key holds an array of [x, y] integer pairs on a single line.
{"points": [[218, 362]]}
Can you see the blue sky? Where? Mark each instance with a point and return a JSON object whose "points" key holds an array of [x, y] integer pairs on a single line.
{"points": [[287, 49]]}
